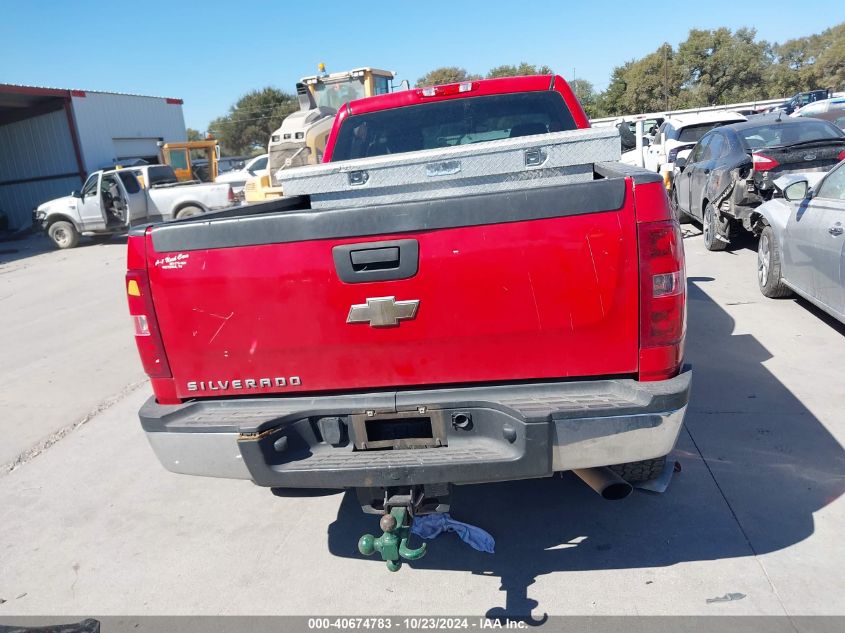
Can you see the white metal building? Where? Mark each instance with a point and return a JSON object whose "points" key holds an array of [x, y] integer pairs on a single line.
{"points": [[51, 138]]}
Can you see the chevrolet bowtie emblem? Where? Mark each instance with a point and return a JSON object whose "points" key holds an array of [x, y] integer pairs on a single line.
{"points": [[382, 311]]}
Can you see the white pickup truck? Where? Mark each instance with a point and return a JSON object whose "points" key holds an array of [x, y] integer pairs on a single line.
{"points": [[113, 200]]}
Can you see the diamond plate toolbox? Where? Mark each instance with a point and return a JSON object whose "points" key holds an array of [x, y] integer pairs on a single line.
{"points": [[541, 160]]}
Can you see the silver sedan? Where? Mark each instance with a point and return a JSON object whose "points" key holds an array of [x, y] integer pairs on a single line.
{"points": [[802, 246]]}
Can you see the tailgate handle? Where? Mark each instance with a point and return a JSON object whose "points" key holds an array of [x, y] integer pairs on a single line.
{"points": [[376, 261], [375, 258]]}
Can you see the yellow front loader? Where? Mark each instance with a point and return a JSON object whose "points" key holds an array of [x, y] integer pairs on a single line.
{"points": [[301, 139]]}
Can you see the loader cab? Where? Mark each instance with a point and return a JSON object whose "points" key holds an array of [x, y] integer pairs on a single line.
{"points": [[181, 157], [301, 139], [333, 90]]}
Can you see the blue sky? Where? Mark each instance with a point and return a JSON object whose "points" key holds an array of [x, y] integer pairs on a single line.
{"points": [[210, 53]]}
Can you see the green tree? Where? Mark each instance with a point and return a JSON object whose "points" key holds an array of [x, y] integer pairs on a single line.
{"points": [[647, 84], [718, 66], [831, 59], [586, 94], [523, 68], [808, 63], [611, 101], [250, 121], [193, 135], [445, 75]]}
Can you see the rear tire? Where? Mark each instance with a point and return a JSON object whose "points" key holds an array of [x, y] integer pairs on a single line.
{"points": [[768, 266], [637, 472], [710, 227], [63, 234], [682, 217], [188, 212]]}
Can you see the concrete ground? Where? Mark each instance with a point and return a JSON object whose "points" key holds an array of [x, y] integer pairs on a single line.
{"points": [[94, 525]]}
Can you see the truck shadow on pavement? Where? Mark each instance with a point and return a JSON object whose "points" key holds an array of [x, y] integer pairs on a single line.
{"points": [[768, 464], [39, 244]]}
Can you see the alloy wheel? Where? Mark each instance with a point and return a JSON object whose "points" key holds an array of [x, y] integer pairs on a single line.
{"points": [[763, 258]]}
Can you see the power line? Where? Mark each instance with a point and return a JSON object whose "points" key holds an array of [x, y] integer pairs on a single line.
{"points": [[264, 108]]}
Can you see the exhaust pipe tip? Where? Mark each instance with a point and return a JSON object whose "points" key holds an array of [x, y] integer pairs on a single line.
{"points": [[605, 482], [617, 492]]}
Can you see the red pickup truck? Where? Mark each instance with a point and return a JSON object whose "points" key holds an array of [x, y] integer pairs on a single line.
{"points": [[398, 348]]}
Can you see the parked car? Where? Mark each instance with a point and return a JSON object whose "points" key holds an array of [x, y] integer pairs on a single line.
{"points": [[237, 178], [579, 284], [731, 170], [680, 133], [832, 110], [113, 200], [224, 164], [231, 163], [802, 242], [800, 100]]}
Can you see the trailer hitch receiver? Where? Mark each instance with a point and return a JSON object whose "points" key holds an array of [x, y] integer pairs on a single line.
{"points": [[392, 545]]}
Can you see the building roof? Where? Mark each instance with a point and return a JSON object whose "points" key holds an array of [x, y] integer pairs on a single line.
{"points": [[64, 92], [19, 102]]}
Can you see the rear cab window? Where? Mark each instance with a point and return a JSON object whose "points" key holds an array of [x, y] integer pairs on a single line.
{"points": [[130, 183], [452, 122], [161, 175], [693, 133]]}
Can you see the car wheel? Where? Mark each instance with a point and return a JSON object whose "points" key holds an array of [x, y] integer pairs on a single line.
{"points": [[710, 230], [63, 234], [636, 472], [188, 212], [768, 266], [681, 216]]}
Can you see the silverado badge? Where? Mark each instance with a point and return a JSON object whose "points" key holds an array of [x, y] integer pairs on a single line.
{"points": [[382, 311]]}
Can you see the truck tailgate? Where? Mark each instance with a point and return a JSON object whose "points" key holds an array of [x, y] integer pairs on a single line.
{"points": [[497, 288]]}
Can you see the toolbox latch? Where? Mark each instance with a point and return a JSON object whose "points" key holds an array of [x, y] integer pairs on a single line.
{"points": [[358, 178], [535, 157]]}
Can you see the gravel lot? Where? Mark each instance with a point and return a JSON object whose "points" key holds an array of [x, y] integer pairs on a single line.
{"points": [[92, 524]]}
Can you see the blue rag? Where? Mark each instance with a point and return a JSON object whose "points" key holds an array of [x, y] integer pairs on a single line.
{"points": [[430, 526]]}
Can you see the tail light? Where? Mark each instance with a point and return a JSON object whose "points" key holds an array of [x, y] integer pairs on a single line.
{"points": [[662, 299], [841, 155], [147, 334], [763, 162]]}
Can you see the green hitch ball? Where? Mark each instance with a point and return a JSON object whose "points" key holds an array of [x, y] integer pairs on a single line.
{"points": [[367, 545]]}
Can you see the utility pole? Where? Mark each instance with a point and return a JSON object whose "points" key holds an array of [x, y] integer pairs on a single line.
{"points": [[666, 77]]}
